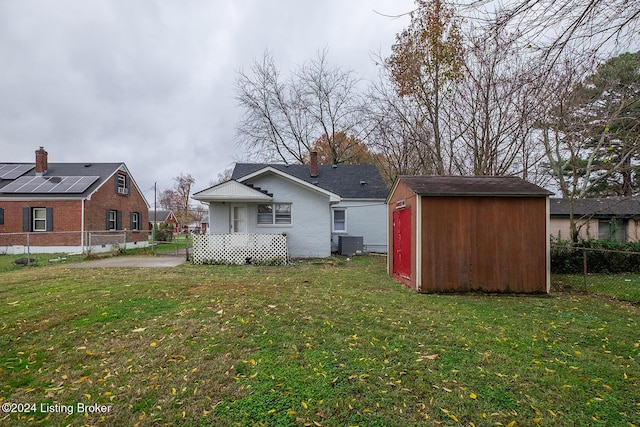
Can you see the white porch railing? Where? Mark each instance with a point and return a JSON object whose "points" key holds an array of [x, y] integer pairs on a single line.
{"points": [[239, 249]]}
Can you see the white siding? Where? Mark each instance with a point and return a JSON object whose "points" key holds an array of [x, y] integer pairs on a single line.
{"points": [[218, 218], [366, 218], [309, 234]]}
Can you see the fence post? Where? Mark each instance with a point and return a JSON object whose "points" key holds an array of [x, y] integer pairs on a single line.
{"points": [[584, 269], [28, 251], [186, 246]]}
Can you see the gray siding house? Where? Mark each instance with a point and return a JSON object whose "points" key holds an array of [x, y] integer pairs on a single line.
{"points": [[313, 205]]}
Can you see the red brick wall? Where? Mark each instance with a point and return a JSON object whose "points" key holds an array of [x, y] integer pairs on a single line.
{"points": [[106, 198], [66, 223], [67, 217]]}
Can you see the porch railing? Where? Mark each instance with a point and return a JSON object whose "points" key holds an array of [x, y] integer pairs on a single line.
{"points": [[240, 248]]}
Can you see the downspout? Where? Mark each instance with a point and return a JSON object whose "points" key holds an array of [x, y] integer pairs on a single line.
{"points": [[82, 225]]}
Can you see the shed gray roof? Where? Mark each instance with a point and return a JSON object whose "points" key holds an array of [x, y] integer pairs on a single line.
{"points": [[619, 207], [433, 185], [347, 181], [102, 170]]}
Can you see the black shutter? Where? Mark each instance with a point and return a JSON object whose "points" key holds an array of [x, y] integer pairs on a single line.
{"points": [[107, 226], [118, 220], [26, 219], [127, 183], [49, 216], [1, 216]]}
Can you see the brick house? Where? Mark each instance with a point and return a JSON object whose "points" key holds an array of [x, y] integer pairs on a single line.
{"points": [[70, 207], [158, 217]]}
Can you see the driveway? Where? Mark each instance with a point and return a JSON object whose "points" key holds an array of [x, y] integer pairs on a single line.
{"points": [[133, 261]]}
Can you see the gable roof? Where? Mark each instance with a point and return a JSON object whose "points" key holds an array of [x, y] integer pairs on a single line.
{"points": [[620, 207], [233, 191], [346, 181], [433, 185], [162, 215], [102, 172]]}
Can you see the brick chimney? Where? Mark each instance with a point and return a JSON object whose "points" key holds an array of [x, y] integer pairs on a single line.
{"points": [[42, 162], [313, 166]]}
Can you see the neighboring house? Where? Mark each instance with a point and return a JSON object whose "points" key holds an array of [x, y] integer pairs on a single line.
{"points": [[312, 204], [204, 224], [469, 233], [611, 218], [65, 207], [158, 217]]}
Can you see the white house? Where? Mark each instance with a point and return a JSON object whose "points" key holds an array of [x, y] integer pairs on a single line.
{"points": [[313, 205]]}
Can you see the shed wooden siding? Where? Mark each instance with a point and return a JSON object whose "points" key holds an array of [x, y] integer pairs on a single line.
{"points": [[493, 244]]}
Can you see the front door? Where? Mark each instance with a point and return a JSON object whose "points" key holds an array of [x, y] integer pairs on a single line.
{"points": [[402, 243], [238, 218]]}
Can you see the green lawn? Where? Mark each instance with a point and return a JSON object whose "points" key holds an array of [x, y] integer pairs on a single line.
{"points": [[331, 343], [624, 287]]}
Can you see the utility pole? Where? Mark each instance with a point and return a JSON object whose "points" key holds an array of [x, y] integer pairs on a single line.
{"points": [[155, 217]]}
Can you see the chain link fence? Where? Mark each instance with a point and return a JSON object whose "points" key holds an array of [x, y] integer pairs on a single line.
{"points": [[71, 242], [609, 272]]}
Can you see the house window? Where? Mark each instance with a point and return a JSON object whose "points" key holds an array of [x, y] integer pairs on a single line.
{"points": [[37, 219], [1, 216], [135, 221], [277, 213], [114, 220], [340, 220], [121, 184], [612, 229]]}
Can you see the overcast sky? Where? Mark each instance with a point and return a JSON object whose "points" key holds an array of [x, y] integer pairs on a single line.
{"points": [[151, 83]]}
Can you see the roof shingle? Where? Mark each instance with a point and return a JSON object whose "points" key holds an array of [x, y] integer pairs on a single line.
{"points": [[472, 186], [347, 181]]}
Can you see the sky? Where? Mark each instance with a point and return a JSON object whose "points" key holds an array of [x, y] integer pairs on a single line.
{"points": [[152, 83]]}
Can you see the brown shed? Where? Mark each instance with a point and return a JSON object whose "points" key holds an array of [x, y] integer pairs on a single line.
{"points": [[469, 233]]}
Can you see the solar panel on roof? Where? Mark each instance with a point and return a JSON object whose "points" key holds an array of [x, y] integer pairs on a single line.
{"points": [[50, 184], [12, 171]]}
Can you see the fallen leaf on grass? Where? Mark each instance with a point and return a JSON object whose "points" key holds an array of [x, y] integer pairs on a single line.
{"points": [[139, 330], [422, 357]]}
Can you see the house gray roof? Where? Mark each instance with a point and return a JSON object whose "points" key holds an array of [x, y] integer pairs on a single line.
{"points": [[620, 207], [347, 181], [102, 170], [472, 186], [162, 215]]}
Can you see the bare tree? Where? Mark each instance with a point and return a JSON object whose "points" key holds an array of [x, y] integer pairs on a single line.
{"points": [[557, 27], [284, 119], [494, 109], [178, 198]]}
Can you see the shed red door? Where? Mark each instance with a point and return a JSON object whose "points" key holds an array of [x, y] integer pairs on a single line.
{"points": [[402, 242]]}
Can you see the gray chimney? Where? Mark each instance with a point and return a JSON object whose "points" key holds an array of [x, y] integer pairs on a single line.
{"points": [[313, 166]]}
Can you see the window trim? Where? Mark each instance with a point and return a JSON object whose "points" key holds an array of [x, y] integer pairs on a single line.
{"points": [[36, 220], [333, 220], [135, 221], [274, 215]]}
